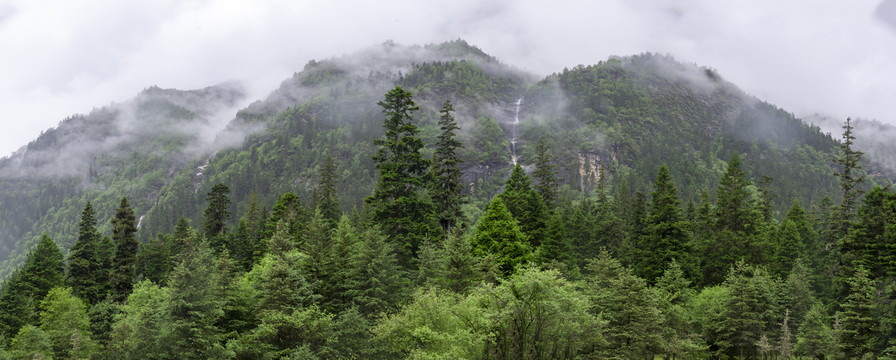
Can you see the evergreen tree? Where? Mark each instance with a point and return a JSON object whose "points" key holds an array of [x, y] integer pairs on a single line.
{"points": [[858, 332], [85, 267], [379, 284], [850, 175], [398, 205], [546, 182], [217, 213], [44, 269], [458, 264], [124, 230], [749, 310], [813, 339], [526, 205], [21, 293], [556, 248], [628, 305], [668, 236], [788, 247], [446, 191], [498, 234], [193, 309], [327, 200], [290, 211], [733, 199]]}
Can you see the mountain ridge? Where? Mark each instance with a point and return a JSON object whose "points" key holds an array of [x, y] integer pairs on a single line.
{"points": [[621, 117]]}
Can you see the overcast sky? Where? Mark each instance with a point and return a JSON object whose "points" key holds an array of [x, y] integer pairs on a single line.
{"points": [[61, 57]]}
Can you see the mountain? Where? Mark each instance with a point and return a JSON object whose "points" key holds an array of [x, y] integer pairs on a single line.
{"points": [[626, 116]]}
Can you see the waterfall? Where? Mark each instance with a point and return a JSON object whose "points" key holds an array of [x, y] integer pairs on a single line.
{"points": [[515, 132]]}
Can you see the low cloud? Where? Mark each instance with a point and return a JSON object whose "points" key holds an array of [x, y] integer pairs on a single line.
{"points": [[62, 58]]}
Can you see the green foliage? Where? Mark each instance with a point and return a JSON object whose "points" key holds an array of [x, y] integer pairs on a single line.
{"points": [[856, 337], [31, 343], [628, 306], [123, 272], [217, 213], [399, 206], [526, 205], [499, 234], [546, 182], [446, 189], [65, 322], [141, 328], [85, 265], [327, 199], [22, 292], [850, 174], [814, 337], [192, 309], [668, 234], [749, 312]]}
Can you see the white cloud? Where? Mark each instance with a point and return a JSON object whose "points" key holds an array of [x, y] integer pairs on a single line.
{"points": [[61, 57]]}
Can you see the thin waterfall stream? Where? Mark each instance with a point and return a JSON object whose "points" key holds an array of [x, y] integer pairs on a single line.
{"points": [[515, 132]]}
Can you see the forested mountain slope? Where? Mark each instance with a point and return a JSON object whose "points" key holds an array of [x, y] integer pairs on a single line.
{"points": [[429, 202], [627, 115], [129, 149]]}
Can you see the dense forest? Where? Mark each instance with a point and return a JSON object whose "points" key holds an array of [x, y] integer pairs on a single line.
{"points": [[430, 202]]}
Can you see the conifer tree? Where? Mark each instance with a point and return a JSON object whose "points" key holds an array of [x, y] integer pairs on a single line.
{"points": [[290, 211], [44, 269], [379, 284], [526, 205], [22, 291], [458, 264], [84, 264], [217, 213], [446, 191], [813, 338], [733, 205], [498, 234], [850, 175], [326, 199], [124, 230], [627, 303], [858, 332], [398, 204], [668, 236], [545, 176], [193, 309]]}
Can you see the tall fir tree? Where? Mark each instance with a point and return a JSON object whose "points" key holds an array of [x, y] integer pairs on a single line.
{"points": [[526, 205], [398, 204], [498, 234], [327, 199], [292, 214], [217, 213], [733, 206], [85, 266], [545, 175], [446, 190], [851, 175], [124, 231], [668, 235], [193, 308], [20, 294], [858, 330]]}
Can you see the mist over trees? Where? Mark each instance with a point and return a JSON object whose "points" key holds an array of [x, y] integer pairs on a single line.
{"points": [[374, 211]]}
